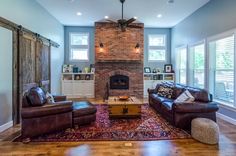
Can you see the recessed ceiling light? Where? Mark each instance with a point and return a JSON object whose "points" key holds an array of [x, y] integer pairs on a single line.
{"points": [[106, 17], [159, 15], [78, 13], [170, 1], [135, 17]]}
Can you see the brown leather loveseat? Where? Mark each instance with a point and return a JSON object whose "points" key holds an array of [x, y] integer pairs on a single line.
{"points": [[39, 117], [181, 114]]}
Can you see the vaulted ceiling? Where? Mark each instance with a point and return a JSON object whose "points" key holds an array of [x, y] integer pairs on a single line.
{"points": [[146, 11]]}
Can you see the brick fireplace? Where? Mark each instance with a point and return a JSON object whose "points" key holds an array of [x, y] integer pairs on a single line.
{"points": [[118, 57]]}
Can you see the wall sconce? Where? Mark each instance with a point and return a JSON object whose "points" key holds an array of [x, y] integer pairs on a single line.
{"points": [[101, 47], [137, 48]]}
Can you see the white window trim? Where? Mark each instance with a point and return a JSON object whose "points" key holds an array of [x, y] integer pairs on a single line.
{"points": [[79, 47], [203, 41], [177, 61], [218, 37], [157, 47]]}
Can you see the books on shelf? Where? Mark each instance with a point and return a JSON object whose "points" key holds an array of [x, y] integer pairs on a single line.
{"points": [[159, 76]]}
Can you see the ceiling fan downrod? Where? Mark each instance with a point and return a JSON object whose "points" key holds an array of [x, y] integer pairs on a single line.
{"points": [[122, 16]]}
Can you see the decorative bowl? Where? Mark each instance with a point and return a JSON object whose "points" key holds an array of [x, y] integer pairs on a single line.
{"points": [[123, 97]]}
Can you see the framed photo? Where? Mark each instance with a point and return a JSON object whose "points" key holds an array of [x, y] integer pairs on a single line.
{"points": [[147, 70], [168, 68], [66, 68], [92, 70], [87, 77]]}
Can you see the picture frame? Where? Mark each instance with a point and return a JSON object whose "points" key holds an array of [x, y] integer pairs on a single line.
{"points": [[147, 70], [66, 68], [92, 70], [168, 68]]}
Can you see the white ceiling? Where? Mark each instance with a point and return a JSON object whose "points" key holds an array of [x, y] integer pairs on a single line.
{"points": [[146, 11]]}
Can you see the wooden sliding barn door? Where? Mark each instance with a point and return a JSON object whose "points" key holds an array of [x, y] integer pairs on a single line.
{"points": [[34, 64], [43, 69]]}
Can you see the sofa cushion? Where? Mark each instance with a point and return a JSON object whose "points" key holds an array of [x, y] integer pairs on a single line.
{"points": [[46, 110], [159, 99], [165, 91], [167, 105], [178, 90], [195, 107], [36, 97], [199, 94]]}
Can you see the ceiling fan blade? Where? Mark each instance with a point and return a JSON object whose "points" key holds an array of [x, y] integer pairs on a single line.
{"points": [[130, 21], [134, 26], [111, 21]]}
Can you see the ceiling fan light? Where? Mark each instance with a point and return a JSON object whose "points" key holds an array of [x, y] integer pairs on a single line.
{"points": [[159, 15], [78, 13]]}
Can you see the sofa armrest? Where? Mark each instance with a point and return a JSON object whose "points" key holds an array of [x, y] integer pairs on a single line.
{"points": [[46, 110], [195, 107], [152, 91], [59, 98]]}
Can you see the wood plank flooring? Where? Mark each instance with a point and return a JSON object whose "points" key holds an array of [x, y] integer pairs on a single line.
{"points": [[180, 147]]}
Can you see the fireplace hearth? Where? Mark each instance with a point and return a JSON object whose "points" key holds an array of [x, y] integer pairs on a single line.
{"points": [[119, 82]]}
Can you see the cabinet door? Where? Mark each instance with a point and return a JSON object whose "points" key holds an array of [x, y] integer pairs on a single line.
{"points": [[89, 89], [83, 89], [67, 89], [78, 89]]}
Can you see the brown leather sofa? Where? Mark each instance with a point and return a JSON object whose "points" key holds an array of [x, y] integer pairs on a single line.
{"points": [[181, 114], [39, 117]]}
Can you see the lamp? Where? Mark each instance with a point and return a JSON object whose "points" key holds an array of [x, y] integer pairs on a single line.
{"points": [[137, 47], [101, 47]]}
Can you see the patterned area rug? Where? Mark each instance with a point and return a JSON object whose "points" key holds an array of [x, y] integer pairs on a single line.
{"points": [[151, 126]]}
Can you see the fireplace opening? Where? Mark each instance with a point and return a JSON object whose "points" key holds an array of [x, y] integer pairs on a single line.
{"points": [[119, 82]]}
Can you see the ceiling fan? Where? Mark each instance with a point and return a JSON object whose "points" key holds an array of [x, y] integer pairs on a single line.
{"points": [[123, 23]]}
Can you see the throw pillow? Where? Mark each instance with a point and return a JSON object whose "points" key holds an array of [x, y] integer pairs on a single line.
{"points": [[36, 97], [185, 97], [165, 91], [50, 98]]}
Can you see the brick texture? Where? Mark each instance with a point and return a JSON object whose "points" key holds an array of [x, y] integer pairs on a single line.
{"points": [[118, 56]]}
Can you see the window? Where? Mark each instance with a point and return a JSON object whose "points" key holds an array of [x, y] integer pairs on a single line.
{"points": [[156, 47], [222, 63], [79, 46], [182, 65], [197, 65]]}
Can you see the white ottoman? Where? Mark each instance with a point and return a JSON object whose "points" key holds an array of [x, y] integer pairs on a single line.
{"points": [[205, 130]]}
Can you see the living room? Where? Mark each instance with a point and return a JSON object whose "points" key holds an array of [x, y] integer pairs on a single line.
{"points": [[120, 71]]}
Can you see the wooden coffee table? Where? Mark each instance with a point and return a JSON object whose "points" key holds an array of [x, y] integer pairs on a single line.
{"points": [[124, 108]]}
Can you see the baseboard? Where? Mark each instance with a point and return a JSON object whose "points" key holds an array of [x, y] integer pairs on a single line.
{"points": [[6, 126], [226, 118]]}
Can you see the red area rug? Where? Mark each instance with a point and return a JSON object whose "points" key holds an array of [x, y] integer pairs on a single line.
{"points": [[151, 126]]}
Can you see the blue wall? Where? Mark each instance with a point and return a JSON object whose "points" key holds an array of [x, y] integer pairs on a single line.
{"points": [[147, 31], [31, 15], [215, 17], [6, 80], [90, 30], [164, 31]]}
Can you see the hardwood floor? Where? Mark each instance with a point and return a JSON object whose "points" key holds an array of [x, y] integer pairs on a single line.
{"points": [[188, 147]]}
